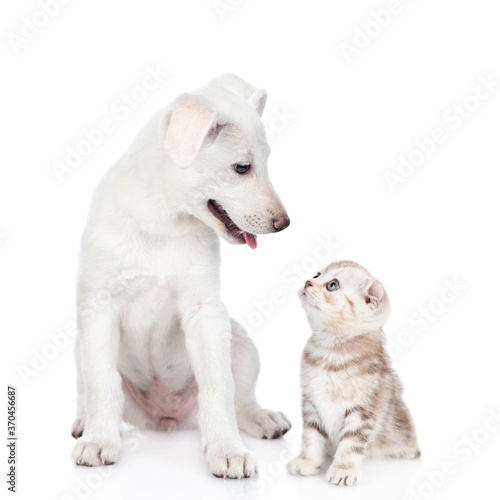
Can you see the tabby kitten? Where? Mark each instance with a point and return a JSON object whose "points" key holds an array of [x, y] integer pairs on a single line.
{"points": [[351, 397]]}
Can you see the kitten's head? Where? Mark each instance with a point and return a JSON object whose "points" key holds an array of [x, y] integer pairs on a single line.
{"points": [[344, 296]]}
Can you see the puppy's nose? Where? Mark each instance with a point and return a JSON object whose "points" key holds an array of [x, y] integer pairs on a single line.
{"points": [[308, 283], [281, 223]]}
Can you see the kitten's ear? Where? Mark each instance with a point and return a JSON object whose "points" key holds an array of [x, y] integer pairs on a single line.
{"points": [[374, 293]]}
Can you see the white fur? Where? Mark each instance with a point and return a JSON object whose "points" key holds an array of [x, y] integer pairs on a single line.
{"points": [[148, 293]]}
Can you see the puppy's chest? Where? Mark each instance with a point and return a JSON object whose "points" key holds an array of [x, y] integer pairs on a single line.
{"points": [[151, 271], [173, 257]]}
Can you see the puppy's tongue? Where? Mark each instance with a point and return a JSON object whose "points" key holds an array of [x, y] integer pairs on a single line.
{"points": [[250, 239]]}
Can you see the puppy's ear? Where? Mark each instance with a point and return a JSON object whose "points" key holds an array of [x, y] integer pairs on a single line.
{"points": [[190, 122], [256, 97], [258, 100], [374, 293]]}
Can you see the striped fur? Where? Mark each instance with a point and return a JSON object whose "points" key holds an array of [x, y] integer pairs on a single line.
{"points": [[351, 396]]}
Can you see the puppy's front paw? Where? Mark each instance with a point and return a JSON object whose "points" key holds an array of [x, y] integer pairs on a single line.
{"points": [[89, 453], [342, 475], [233, 464], [302, 466]]}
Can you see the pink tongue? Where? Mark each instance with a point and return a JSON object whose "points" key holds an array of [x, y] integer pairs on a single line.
{"points": [[251, 240]]}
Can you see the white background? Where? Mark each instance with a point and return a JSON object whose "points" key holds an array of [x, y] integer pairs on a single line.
{"points": [[351, 122]]}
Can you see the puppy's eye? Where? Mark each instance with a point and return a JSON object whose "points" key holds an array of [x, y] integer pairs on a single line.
{"points": [[333, 285], [241, 169], [317, 276]]}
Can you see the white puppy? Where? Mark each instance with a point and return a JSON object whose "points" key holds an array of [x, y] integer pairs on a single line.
{"points": [[156, 346]]}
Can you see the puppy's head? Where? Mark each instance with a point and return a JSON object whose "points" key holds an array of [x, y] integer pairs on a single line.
{"points": [[217, 140]]}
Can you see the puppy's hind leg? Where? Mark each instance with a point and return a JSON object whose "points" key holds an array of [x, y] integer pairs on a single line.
{"points": [[79, 423], [251, 418]]}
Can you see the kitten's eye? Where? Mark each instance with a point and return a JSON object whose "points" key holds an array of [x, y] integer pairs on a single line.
{"points": [[241, 169], [317, 276], [333, 285]]}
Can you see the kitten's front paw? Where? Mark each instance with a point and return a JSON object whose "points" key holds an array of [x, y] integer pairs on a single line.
{"points": [[342, 475], [302, 466], [233, 464]]}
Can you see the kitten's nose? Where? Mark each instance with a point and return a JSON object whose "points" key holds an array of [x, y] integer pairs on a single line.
{"points": [[281, 223], [308, 283]]}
